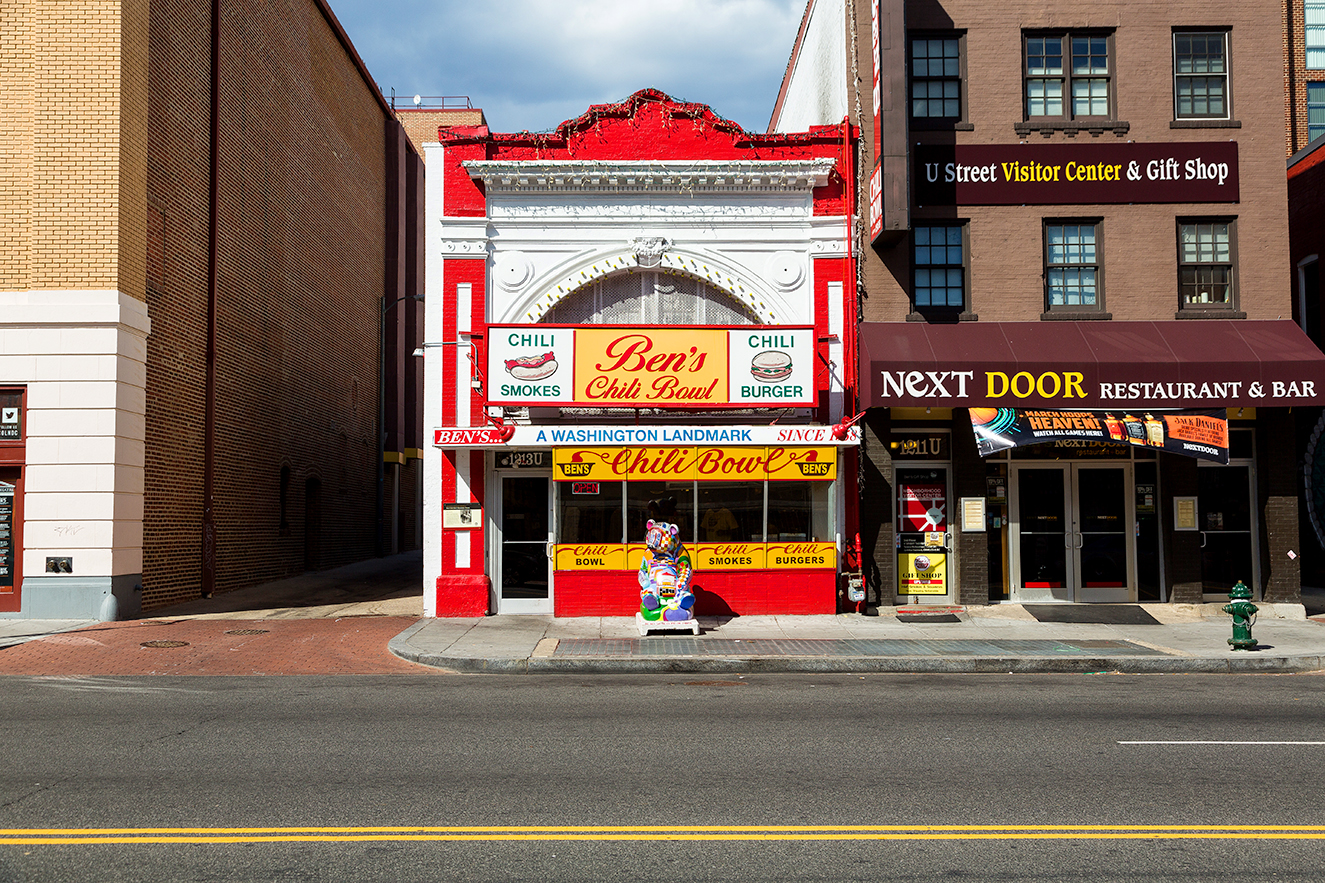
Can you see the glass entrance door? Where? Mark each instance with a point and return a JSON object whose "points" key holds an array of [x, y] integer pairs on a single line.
{"points": [[525, 575], [1103, 546], [1224, 516], [1071, 537]]}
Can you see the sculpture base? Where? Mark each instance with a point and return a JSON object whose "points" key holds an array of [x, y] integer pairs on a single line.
{"points": [[656, 625]]}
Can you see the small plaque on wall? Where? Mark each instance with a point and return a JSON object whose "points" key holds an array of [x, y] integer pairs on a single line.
{"points": [[1184, 513], [973, 513], [459, 516]]}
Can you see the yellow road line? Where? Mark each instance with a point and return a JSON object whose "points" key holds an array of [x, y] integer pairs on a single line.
{"points": [[87, 836]]}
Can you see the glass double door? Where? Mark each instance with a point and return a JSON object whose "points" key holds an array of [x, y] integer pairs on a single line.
{"points": [[1073, 534]]}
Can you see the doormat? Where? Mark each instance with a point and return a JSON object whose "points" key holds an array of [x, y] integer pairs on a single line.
{"points": [[928, 617], [1101, 614]]}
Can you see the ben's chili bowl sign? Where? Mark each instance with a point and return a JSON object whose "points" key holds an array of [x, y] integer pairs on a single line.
{"points": [[1077, 389], [659, 367]]}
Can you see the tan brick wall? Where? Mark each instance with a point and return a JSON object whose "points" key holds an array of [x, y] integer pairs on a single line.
{"points": [[1140, 249], [300, 279], [16, 108], [421, 125], [74, 84]]}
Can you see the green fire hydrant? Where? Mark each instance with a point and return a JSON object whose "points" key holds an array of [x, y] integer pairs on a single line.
{"points": [[1244, 614]]}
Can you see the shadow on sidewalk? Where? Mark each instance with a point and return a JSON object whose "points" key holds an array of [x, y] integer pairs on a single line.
{"points": [[390, 586]]}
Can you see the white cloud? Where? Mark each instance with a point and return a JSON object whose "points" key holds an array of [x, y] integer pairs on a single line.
{"points": [[530, 64]]}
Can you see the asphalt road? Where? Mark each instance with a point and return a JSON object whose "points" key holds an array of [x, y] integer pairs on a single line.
{"points": [[756, 778]]}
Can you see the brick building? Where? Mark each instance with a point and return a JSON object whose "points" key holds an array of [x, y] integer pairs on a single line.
{"points": [[1304, 72], [206, 304], [1076, 349], [645, 314]]}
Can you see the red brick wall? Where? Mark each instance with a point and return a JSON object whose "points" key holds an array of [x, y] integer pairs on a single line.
{"points": [[1296, 77], [300, 279]]}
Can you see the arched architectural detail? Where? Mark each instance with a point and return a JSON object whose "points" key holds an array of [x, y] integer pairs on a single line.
{"points": [[750, 292]]}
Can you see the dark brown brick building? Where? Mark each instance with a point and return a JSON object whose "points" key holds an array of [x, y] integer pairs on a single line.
{"points": [[1076, 258]]}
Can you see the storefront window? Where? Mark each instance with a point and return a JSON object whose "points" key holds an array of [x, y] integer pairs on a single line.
{"points": [[672, 501], [589, 512], [798, 511], [731, 512]]}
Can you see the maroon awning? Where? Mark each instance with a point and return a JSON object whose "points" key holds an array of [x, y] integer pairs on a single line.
{"points": [[1198, 363]]}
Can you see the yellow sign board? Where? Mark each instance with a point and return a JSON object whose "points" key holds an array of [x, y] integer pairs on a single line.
{"points": [[802, 464], [728, 556], [658, 366], [683, 463], [597, 556], [589, 464], [922, 573], [800, 556]]}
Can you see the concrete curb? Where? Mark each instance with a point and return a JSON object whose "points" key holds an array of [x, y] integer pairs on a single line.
{"points": [[1250, 664]]}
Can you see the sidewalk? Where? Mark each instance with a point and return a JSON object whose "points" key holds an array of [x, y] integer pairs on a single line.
{"points": [[367, 618], [1003, 638]]}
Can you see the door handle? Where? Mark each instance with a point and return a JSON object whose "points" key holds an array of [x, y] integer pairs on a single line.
{"points": [[1203, 539], [549, 550]]}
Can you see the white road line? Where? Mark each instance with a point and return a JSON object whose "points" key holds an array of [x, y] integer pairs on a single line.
{"points": [[1215, 742]]}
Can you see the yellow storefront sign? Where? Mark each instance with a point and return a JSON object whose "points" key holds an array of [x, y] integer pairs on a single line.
{"points": [[801, 464], [653, 366], [922, 573], [683, 463], [800, 556], [594, 556], [589, 464], [728, 556], [661, 464]]}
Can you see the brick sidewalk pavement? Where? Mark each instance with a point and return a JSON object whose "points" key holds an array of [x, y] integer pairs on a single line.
{"points": [[356, 645]]}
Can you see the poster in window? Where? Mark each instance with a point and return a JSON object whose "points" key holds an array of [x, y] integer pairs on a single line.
{"points": [[6, 536], [922, 573]]}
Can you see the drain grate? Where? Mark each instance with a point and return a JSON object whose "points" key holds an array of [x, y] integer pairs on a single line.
{"points": [[163, 645], [247, 632]]}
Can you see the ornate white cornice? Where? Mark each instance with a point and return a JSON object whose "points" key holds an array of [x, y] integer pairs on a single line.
{"points": [[658, 176]]}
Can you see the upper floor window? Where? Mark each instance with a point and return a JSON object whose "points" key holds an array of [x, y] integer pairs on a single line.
{"points": [[1072, 266], [936, 78], [939, 267], [1315, 110], [1207, 260], [1200, 75], [1068, 76], [1313, 27]]}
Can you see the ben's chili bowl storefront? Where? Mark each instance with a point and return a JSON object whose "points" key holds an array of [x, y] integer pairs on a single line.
{"points": [[759, 505], [1086, 462]]}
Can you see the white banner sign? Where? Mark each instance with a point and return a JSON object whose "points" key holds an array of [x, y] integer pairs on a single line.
{"points": [[553, 436]]}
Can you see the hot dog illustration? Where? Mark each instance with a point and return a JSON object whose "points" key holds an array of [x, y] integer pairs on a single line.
{"points": [[533, 367]]}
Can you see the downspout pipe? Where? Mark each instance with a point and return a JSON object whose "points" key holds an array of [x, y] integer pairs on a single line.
{"points": [[209, 367]]}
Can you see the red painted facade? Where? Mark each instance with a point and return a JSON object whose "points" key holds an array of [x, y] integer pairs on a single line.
{"points": [[645, 128]]}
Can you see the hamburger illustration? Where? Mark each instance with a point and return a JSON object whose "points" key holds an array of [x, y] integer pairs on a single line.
{"points": [[533, 367], [771, 366]]}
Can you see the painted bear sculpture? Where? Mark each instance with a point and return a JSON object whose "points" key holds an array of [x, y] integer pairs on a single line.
{"points": [[664, 575]]}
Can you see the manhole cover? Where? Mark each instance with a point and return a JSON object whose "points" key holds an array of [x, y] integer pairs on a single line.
{"points": [[162, 645], [247, 632]]}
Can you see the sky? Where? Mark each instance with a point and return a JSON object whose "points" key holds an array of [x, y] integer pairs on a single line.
{"points": [[532, 64]]}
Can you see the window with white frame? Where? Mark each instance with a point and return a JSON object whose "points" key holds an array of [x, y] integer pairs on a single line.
{"points": [[1207, 259], [1068, 76], [1313, 33]]}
